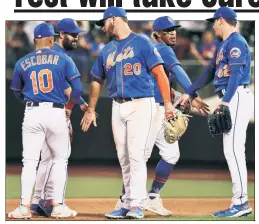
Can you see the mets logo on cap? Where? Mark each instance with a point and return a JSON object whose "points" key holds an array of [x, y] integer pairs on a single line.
{"points": [[235, 52], [170, 19]]}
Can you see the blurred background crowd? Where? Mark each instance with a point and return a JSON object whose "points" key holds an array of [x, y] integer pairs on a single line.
{"points": [[194, 47]]}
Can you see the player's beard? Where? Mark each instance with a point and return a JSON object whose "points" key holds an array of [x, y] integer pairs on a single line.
{"points": [[69, 44]]}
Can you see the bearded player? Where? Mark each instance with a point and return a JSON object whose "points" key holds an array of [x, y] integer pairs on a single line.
{"points": [[126, 63], [67, 40]]}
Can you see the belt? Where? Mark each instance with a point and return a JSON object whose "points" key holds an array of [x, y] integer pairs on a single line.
{"points": [[221, 93], [161, 104], [124, 100], [36, 104]]}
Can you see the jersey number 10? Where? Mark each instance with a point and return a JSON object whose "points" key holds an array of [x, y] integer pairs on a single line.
{"points": [[38, 81]]}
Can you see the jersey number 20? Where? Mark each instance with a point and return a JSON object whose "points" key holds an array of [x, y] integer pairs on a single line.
{"points": [[130, 69], [38, 81]]}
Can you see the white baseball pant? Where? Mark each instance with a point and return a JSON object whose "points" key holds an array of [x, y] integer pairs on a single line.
{"points": [[45, 123], [132, 124], [241, 110]]}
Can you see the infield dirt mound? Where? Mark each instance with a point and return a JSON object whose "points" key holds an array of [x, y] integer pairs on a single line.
{"points": [[95, 208]]}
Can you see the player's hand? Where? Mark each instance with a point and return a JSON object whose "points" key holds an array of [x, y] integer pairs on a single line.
{"points": [[169, 110], [68, 113], [88, 118], [201, 106], [182, 100]]}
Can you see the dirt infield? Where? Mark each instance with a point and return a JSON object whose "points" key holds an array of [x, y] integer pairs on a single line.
{"points": [[95, 208]]}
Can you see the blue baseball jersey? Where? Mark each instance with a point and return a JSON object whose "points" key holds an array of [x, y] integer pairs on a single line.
{"points": [[41, 75], [127, 65], [60, 49], [234, 51], [170, 60]]}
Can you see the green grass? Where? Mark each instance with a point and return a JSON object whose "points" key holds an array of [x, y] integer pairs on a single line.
{"points": [[83, 187]]}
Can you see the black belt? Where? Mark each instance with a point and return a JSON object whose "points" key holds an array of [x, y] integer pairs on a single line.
{"points": [[54, 105], [124, 100], [161, 104], [221, 93]]}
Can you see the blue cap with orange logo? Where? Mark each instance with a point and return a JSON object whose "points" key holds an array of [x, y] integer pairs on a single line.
{"points": [[223, 12], [164, 23], [112, 12]]}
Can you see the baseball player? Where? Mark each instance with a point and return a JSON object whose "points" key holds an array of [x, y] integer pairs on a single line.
{"points": [[165, 35], [127, 63], [39, 80], [67, 40], [231, 73]]}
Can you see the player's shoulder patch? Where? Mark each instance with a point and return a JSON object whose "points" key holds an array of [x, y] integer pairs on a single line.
{"points": [[235, 52], [156, 52]]}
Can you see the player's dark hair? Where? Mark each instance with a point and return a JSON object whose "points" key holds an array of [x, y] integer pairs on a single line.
{"points": [[231, 22], [155, 35]]}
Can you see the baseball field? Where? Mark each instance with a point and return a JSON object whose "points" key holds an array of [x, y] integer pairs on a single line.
{"points": [[93, 191]]}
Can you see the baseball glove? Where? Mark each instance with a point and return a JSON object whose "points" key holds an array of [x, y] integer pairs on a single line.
{"points": [[175, 127], [186, 108], [220, 121]]}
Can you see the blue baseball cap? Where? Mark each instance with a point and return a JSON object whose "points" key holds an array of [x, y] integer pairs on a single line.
{"points": [[164, 23], [112, 12], [44, 30], [223, 12], [68, 25]]}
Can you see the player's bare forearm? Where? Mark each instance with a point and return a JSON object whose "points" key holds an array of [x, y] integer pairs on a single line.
{"points": [[90, 115], [95, 89]]}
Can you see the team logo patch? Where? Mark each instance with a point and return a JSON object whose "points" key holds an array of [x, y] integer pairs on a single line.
{"points": [[156, 52], [170, 19], [235, 52]]}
